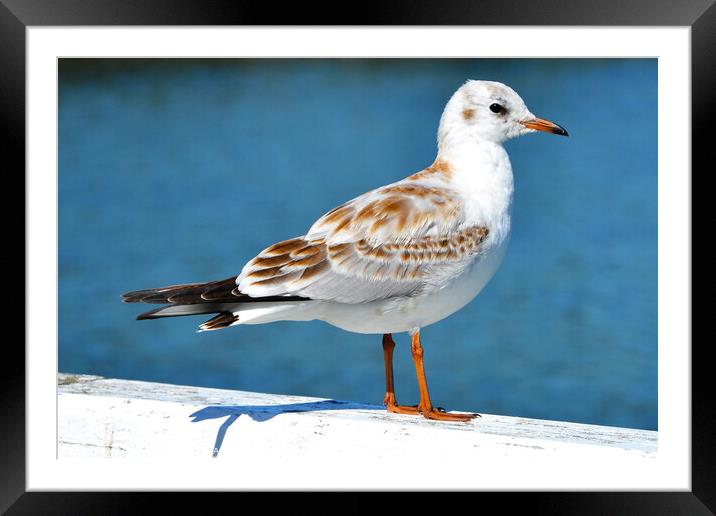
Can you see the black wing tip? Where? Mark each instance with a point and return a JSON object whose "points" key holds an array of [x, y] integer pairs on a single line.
{"points": [[164, 296], [137, 296], [186, 293]]}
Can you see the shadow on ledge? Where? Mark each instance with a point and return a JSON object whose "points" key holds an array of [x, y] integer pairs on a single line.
{"points": [[265, 412]]}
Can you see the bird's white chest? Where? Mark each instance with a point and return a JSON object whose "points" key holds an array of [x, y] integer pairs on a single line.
{"points": [[483, 175]]}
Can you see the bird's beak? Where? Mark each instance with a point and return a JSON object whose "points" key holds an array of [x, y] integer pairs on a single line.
{"points": [[539, 124]]}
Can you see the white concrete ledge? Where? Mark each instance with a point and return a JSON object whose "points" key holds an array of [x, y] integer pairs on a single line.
{"points": [[101, 417]]}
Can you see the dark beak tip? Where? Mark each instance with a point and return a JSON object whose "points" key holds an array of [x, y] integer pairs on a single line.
{"points": [[560, 131]]}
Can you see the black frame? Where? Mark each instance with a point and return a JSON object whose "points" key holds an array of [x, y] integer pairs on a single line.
{"points": [[700, 15]]}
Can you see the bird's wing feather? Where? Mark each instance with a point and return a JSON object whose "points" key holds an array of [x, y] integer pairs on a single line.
{"points": [[398, 240]]}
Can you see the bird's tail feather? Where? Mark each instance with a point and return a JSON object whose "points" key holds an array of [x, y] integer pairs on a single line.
{"points": [[223, 320], [213, 297], [181, 310]]}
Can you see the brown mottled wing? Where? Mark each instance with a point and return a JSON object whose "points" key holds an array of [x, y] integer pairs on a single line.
{"points": [[395, 241], [401, 212]]}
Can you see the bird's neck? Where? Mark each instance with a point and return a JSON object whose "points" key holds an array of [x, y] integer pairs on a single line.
{"points": [[476, 162], [482, 172]]}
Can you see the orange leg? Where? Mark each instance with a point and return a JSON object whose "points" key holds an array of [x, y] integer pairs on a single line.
{"points": [[389, 400], [425, 407]]}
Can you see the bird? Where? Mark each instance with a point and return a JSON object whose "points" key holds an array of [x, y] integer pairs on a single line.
{"points": [[395, 259]]}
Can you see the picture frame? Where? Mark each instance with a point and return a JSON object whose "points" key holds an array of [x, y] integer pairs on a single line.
{"points": [[16, 16]]}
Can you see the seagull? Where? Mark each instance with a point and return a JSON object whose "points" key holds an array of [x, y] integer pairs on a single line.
{"points": [[395, 259]]}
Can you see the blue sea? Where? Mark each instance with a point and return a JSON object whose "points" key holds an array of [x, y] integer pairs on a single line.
{"points": [[174, 171]]}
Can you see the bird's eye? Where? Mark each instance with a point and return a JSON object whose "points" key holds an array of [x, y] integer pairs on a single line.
{"points": [[496, 108]]}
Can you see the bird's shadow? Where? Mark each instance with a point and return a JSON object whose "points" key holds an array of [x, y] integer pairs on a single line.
{"points": [[263, 413]]}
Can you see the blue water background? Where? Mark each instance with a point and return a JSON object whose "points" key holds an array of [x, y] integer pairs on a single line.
{"points": [[175, 171]]}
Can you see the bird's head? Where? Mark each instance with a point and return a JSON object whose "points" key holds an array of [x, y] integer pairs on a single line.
{"points": [[489, 111]]}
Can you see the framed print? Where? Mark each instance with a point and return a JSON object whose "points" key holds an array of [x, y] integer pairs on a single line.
{"points": [[165, 73]]}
